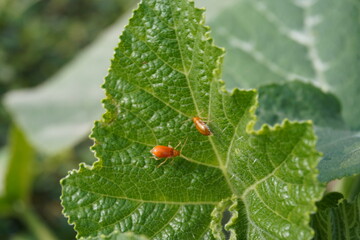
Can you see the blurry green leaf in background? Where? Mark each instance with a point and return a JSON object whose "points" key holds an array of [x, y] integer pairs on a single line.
{"points": [[20, 167], [341, 153], [301, 101], [58, 114], [4, 156], [279, 41], [39, 37], [298, 100]]}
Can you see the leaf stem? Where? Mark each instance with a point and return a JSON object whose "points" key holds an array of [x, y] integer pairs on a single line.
{"points": [[34, 223]]}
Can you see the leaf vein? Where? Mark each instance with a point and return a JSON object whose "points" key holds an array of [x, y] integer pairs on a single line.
{"points": [[149, 201], [152, 94], [274, 171], [166, 224]]}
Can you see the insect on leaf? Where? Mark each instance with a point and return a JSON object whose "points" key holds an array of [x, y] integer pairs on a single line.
{"points": [[166, 70]]}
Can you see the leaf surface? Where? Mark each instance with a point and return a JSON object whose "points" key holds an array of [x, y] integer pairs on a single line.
{"points": [[341, 221], [341, 150], [119, 236], [166, 70], [299, 101], [280, 41]]}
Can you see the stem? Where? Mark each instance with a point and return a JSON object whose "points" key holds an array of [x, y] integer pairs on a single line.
{"points": [[34, 223]]}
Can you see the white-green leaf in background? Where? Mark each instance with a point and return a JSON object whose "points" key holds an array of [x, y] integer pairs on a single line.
{"points": [[166, 70], [58, 114], [297, 100], [301, 101], [342, 148], [316, 41]]}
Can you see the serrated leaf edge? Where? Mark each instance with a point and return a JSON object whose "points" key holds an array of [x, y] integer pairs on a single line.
{"points": [[249, 130]]}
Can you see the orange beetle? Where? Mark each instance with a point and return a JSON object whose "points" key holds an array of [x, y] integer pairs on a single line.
{"points": [[160, 151], [201, 126]]}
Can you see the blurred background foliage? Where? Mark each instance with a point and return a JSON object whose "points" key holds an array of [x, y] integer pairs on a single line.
{"points": [[37, 38]]}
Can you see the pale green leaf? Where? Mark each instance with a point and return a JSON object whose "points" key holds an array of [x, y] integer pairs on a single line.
{"points": [[341, 150], [298, 101], [302, 101], [337, 221], [281, 40], [166, 71]]}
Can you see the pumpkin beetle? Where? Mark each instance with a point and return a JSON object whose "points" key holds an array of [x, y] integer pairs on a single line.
{"points": [[201, 126], [161, 151]]}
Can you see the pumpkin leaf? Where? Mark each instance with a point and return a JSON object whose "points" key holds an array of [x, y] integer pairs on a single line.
{"points": [[165, 71]]}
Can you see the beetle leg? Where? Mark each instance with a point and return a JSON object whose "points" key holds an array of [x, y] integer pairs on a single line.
{"points": [[162, 162], [154, 158]]}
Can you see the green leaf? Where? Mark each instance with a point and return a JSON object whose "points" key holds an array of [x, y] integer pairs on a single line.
{"points": [[19, 168], [59, 114], [298, 101], [302, 101], [337, 222], [4, 156], [165, 71], [279, 41], [330, 200], [341, 150], [116, 235], [4, 159]]}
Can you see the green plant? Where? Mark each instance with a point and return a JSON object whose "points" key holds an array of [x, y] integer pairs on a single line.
{"points": [[166, 70], [302, 58]]}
